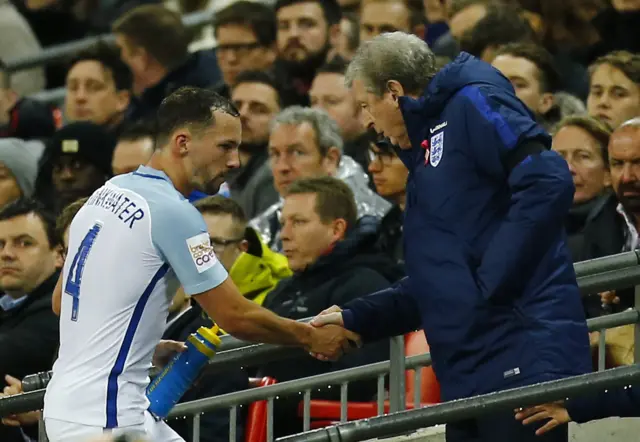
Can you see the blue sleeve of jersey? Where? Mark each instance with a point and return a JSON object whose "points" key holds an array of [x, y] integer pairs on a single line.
{"points": [[540, 184], [180, 234]]}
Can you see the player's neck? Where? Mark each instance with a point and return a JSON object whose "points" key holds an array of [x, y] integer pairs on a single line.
{"points": [[161, 162]]}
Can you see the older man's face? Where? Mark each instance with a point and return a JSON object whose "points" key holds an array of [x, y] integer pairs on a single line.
{"points": [[382, 114]]}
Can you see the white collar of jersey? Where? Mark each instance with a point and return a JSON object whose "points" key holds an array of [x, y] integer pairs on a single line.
{"points": [[8, 303]]}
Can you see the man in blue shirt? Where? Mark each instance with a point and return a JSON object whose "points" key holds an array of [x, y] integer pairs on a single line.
{"points": [[489, 276]]}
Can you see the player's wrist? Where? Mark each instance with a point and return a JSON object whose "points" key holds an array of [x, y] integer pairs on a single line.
{"points": [[305, 335]]}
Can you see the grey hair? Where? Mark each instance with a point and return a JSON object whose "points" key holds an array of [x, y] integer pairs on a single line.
{"points": [[326, 129], [392, 56]]}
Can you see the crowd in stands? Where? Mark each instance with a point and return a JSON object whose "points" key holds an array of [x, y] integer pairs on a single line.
{"points": [[313, 215]]}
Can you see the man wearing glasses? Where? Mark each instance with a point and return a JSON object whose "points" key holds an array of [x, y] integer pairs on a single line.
{"points": [[253, 267]]}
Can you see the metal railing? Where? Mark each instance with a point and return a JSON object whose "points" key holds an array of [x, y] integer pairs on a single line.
{"points": [[411, 420], [593, 276], [62, 51]]}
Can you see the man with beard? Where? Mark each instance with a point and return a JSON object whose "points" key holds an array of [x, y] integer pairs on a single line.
{"points": [[258, 98], [131, 244], [307, 30]]}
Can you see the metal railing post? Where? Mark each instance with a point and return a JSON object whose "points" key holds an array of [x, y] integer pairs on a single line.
{"points": [[42, 431], [396, 374], [636, 328]]}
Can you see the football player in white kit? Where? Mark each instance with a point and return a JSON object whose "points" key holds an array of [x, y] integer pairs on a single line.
{"points": [[130, 246]]}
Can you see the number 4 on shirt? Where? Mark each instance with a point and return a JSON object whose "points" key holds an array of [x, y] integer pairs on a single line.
{"points": [[74, 279]]}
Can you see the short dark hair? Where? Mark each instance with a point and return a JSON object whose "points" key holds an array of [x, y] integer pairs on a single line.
{"points": [[334, 198], [220, 205], [503, 24], [337, 65], [626, 62], [262, 77], [25, 206], [189, 106], [259, 17], [548, 75], [599, 130], [109, 57], [159, 31], [330, 8], [66, 216], [138, 130]]}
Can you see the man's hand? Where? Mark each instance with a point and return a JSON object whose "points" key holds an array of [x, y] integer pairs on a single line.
{"points": [[165, 351], [332, 315], [555, 412], [14, 386], [330, 342], [609, 298]]}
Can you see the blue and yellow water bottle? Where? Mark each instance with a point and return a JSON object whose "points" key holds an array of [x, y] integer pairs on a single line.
{"points": [[170, 385]]}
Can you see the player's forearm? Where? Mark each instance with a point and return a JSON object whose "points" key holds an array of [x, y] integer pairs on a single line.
{"points": [[260, 325]]}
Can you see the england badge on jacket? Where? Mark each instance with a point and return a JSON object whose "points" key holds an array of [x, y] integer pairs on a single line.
{"points": [[437, 143]]}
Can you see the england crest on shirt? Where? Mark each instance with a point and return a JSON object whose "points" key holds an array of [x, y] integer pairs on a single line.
{"points": [[437, 144]]}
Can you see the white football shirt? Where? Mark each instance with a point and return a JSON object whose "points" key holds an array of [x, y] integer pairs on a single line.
{"points": [[130, 246]]}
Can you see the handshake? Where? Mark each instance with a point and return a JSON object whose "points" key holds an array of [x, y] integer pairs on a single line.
{"points": [[329, 339]]}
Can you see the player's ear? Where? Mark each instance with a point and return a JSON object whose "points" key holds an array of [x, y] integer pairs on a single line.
{"points": [[181, 140]]}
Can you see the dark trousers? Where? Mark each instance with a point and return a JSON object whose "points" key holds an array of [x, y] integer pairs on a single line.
{"points": [[501, 428]]}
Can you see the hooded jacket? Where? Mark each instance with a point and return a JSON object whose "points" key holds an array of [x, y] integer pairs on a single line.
{"points": [[256, 272], [267, 224], [490, 278]]}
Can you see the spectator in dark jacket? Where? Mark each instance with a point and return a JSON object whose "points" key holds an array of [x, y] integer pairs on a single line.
{"points": [[154, 43], [390, 180], [30, 258], [489, 272], [334, 260], [583, 141], [98, 88], [22, 117]]}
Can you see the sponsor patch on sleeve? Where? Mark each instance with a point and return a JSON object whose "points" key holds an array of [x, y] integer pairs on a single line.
{"points": [[201, 252]]}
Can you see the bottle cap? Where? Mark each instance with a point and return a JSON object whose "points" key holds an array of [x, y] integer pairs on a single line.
{"points": [[210, 334]]}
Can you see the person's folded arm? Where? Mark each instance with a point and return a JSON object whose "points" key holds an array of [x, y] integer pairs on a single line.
{"points": [[389, 312], [509, 146]]}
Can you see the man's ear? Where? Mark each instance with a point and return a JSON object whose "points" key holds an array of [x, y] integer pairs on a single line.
{"points": [[331, 160], [180, 144], [546, 103], [59, 256], [334, 35], [395, 89], [123, 100], [244, 245], [339, 230]]}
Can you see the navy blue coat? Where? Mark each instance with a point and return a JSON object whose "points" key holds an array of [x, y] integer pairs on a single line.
{"points": [[489, 275]]}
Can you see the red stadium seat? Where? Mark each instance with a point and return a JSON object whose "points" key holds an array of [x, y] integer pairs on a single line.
{"points": [[325, 413], [256, 426]]}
